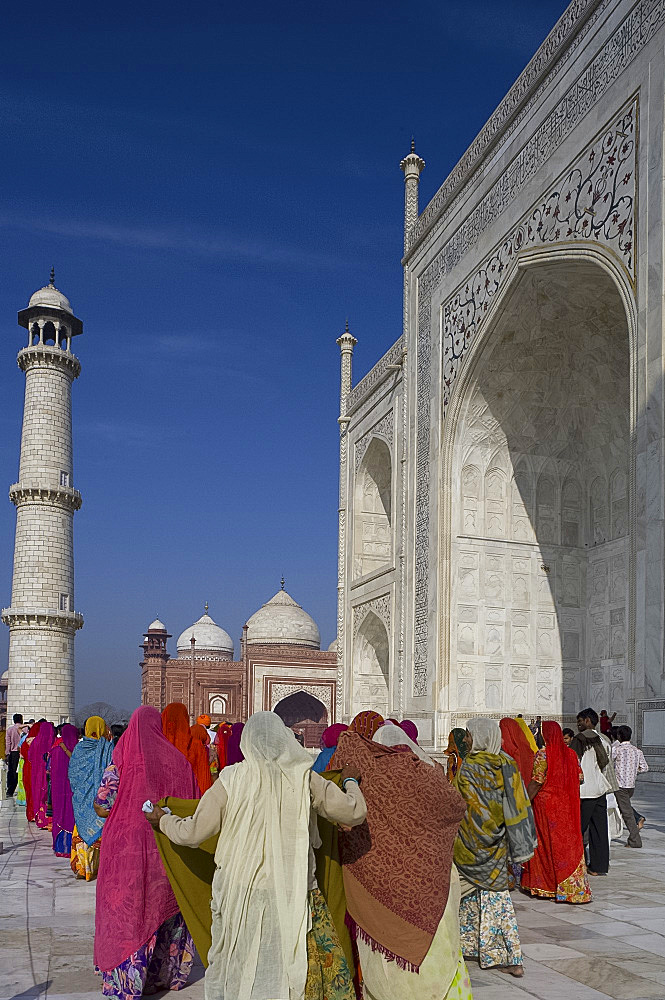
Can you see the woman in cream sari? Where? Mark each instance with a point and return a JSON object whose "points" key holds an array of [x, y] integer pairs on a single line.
{"points": [[272, 936]]}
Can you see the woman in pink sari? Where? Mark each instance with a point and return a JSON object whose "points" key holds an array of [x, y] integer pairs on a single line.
{"points": [[38, 756], [61, 793], [141, 941]]}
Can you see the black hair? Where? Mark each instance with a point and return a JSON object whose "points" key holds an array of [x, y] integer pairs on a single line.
{"points": [[18, 717], [568, 732], [31, 722], [624, 733], [588, 713], [117, 729]]}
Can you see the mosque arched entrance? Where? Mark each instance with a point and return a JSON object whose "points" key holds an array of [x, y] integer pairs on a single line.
{"points": [[537, 514], [372, 537], [300, 708]]}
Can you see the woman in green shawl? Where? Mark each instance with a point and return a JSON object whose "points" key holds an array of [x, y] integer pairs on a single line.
{"points": [[498, 828], [455, 752]]}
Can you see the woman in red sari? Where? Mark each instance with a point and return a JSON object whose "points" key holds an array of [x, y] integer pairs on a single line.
{"points": [[38, 753], [515, 744], [557, 870], [27, 771]]}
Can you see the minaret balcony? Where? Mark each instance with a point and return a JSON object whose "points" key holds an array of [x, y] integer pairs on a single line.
{"points": [[69, 621], [48, 356], [21, 494]]}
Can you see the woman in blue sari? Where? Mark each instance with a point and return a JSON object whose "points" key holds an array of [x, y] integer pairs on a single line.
{"points": [[89, 760]]}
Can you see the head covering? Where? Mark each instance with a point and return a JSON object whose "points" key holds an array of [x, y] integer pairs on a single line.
{"points": [[133, 894], [453, 754], [41, 745], [458, 736], [486, 735], [61, 793], [199, 758], [410, 728], [366, 724], [234, 752], [556, 810], [514, 743], [397, 865], [262, 867], [395, 736], [329, 739], [530, 738], [90, 758], [203, 720], [175, 725], [95, 727]]}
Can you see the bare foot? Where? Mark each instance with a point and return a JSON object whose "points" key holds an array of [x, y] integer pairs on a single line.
{"points": [[513, 970], [641, 822]]}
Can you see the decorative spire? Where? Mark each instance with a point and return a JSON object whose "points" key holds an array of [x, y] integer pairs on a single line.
{"points": [[51, 279], [412, 165], [206, 607], [282, 581], [413, 144]]}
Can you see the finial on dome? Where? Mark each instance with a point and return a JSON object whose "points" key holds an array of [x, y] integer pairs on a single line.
{"points": [[282, 581], [51, 279], [346, 325], [206, 607], [413, 144]]}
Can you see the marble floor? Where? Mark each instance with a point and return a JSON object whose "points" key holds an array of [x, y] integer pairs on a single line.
{"points": [[612, 949]]}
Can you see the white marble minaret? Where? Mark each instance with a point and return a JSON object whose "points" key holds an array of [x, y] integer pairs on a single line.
{"points": [[42, 619]]}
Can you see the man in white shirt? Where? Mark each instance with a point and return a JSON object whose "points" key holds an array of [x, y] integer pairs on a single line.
{"points": [[594, 755], [628, 762]]}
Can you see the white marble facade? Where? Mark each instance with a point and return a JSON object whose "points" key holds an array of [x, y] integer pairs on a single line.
{"points": [[501, 486]]}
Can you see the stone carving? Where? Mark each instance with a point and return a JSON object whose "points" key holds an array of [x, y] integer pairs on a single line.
{"points": [[381, 608], [594, 200], [621, 48], [555, 51], [379, 372], [384, 429]]}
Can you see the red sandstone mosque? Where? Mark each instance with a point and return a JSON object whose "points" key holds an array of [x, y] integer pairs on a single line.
{"points": [[281, 667]]}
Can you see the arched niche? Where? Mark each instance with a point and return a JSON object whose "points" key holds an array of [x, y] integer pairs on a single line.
{"points": [[535, 617], [300, 708], [372, 534], [371, 666]]}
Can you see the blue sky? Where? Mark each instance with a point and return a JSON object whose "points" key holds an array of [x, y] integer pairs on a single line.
{"points": [[218, 188]]}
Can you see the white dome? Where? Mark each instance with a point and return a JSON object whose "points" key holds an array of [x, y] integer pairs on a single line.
{"points": [[283, 621], [5, 676], [157, 625], [332, 648], [208, 635], [50, 296]]}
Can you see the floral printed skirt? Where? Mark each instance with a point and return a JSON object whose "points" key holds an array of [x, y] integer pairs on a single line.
{"points": [[84, 860], [62, 844], [488, 929], [328, 975], [164, 963]]}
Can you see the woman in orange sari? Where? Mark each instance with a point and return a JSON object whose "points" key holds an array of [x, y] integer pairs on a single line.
{"points": [[516, 745], [557, 870], [175, 726], [199, 757]]}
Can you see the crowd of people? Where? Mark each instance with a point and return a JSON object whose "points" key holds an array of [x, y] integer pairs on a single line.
{"points": [[373, 871]]}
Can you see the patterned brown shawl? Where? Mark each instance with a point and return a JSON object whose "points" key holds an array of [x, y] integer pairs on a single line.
{"points": [[397, 864]]}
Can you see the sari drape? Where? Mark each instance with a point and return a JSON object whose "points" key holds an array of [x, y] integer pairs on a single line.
{"points": [[27, 771], [234, 752], [61, 793], [515, 744], [397, 865], [175, 726], [498, 825], [199, 757], [40, 746], [89, 760], [134, 896], [556, 809]]}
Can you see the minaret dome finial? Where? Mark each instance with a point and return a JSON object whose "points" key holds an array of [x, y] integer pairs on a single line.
{"points": [[51, 280]]}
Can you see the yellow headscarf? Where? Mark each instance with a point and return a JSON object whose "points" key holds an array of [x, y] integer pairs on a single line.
{"points": [[527, 732], [96, 728]]}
